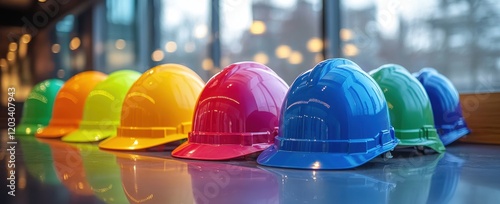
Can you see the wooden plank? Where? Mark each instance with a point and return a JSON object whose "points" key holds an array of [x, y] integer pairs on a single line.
{"points": [[482, 115]]}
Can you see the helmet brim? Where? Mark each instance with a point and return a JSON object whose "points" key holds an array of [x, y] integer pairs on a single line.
{"points": [[86, 135], [53, 131], [137, 143], [318, 160], [454, 135], [199, 151], [436, 145], [28, 129]]}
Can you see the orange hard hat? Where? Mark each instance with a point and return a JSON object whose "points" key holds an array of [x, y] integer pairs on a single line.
{"points": [[69, 103], [157, 109]]}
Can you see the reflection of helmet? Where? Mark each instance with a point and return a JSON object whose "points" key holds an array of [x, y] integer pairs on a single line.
{"points": [[333, 117], [69, 167], [236, 113], [227, 183], [34, 152], [412, 175], [37, 109], [154, 180], [445, 179], [69, 103], [409, 107], [314, 186], [101, 114], [158, 108], [103, 173], [445, 101]]}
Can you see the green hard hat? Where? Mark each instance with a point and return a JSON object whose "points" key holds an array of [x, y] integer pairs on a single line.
{"points": [[103, 173], [102, 111], [409, 107], [37, 109]]}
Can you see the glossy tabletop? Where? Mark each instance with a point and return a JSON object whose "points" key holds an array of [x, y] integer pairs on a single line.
{"points": [[51, 171]]}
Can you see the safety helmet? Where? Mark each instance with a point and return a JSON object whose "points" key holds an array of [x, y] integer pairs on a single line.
{"points": [[445, 101], [334, 117], [236, 113], [37, 109], [409, 107], [157, 109], [101, 114], [69, 103]]}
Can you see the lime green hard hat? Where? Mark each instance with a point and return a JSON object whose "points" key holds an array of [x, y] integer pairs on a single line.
{"points": [[37, 109], [101, 114], [409, 107]]}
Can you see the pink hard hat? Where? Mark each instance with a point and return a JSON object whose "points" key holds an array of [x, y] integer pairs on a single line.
{"points": [[236, 114]]}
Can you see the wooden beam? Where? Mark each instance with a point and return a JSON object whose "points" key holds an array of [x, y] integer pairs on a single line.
{"points": [[482, 115]]}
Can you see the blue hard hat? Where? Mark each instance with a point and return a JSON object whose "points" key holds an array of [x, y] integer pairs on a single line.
{"points": [[334, 117], [445, 102]]}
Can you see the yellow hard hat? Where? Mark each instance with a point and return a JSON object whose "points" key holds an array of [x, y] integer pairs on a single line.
{"points": [[158, 108]]}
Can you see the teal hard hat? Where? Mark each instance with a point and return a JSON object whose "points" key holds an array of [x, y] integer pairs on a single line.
{"points": [[37, 109]]}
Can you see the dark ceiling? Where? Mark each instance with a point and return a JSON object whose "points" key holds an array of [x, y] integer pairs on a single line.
{"points": [[21, 12], [19, 16], [12, 11]]}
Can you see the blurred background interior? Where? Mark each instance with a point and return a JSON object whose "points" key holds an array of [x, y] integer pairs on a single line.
{"points": [[41, 39]]}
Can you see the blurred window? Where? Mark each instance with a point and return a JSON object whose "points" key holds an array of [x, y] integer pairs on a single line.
{"points": [[120, 42], [65, 41], [182, 34], [460, 38], [283, 34]]}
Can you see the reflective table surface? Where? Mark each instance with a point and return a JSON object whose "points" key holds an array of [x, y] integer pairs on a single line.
{"points": [[51, 171]]}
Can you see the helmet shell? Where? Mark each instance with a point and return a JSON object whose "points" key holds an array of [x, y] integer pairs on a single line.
{"points": [[69, 104], [38, 107], [333, 117], [445, 101], [101, 114], [236, 114], [409, 107], [157, 109]]}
